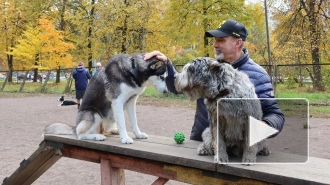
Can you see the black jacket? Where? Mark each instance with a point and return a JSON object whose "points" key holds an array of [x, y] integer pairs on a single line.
{"points": [[272, 114]]}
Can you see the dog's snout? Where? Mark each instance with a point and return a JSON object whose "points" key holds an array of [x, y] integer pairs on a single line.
{"points": [[165, 91]]}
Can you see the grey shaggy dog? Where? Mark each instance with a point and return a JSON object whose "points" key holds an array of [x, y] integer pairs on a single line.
{"points": [[206, 77]]}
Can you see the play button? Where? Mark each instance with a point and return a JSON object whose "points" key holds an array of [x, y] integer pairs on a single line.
{"points": [[259, 130]]}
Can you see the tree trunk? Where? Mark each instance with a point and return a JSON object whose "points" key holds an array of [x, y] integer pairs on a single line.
{"points": [[315, 36], [58, 72], [124, 32], [90, 31], [62, 28], [10, 65]]}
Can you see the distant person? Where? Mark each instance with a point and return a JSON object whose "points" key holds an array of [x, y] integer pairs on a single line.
{"points": [[29, 77], [97, 69], [81, 76]]}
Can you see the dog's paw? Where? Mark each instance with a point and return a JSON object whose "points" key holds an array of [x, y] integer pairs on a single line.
{"points": [[265, 151], [222, 158], [99, 137], [201, 150], [126, 140], [249, 160], [141, 135]]}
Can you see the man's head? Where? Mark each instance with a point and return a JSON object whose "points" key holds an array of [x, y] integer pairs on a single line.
{"points": [[228, 40], [80, 64], [229, 28], [98, 64]]}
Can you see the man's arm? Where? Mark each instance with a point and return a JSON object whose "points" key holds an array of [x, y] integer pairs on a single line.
{"points": [[88, 74], [74, 74], [171, 78], [170, 69], [272, 113], [94, 72]]}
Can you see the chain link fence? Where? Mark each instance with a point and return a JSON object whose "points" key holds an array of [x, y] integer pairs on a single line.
{"points": [[46, 81]]}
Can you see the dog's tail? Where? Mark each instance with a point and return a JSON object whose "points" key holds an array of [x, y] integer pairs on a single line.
{"points": [[60, 129]]}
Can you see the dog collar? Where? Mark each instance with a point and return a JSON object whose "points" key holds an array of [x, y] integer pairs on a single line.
{"points": [[220, 95], [133, 67], [223, 93]]}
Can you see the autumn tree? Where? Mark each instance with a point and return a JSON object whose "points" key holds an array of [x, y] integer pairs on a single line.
{"points": [[187, 21], [303, 29], [12, 22], [256, 42], [42, 47], [102, 28]]}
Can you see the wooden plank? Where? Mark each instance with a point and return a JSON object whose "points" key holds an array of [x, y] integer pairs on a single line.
{"points": [[183, 154], [274, 158], [315, 171], [166, 150], [32, 168], [43, 168]]}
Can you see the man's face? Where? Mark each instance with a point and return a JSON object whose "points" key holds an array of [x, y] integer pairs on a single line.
{"points": [[224, 47]]}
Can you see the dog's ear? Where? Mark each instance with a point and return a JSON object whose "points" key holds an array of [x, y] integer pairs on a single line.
{"points": [[214, 64], [216, 67], [191, 69], [156, 65]]}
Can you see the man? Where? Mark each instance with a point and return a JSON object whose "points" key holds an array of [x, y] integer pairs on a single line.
{"points": [[81, 76], [97, 69], [228, 45]]}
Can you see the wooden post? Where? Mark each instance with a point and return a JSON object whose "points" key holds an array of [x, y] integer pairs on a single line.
{"points": [[46, 80], [111, 175], [69, 82], [23, 83], [6, 79]]}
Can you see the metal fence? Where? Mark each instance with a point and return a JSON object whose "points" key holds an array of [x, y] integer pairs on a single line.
{"points": [[291, 74], [44, 78]]}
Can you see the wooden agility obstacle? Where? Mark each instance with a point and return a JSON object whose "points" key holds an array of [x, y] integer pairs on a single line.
{"points": [[162, 157]]}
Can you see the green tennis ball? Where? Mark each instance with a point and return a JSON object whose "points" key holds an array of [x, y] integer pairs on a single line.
{"points": [[179, 137]]}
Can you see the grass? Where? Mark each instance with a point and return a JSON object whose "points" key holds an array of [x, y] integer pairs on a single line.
{"points": [[319, 101], [35, 87]]}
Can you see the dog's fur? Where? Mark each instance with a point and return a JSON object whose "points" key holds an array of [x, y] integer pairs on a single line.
{"points": [[65, 102], [206, 77], [113, 89]]}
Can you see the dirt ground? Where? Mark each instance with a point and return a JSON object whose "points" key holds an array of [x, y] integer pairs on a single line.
{"points": [[23, 119]]}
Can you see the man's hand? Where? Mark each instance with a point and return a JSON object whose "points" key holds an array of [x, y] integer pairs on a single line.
{"points": [[157, 54]]}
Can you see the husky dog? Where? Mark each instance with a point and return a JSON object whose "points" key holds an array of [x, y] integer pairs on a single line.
{"points": [[114, 88], [65, 102], [206, 77]]}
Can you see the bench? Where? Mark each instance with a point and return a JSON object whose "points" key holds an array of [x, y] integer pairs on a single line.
{"points": [[162, 157]]}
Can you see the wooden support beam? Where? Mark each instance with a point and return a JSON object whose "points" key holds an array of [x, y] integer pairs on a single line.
{"points": [[33, 167], [120, 161], [111, 175], [160, 181], [115, 162]]}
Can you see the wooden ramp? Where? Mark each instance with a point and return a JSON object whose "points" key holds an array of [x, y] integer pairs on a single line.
{"points": [[162, 157]]}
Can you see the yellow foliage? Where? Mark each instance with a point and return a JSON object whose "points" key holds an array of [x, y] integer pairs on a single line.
{"points": [[42, 46]]}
